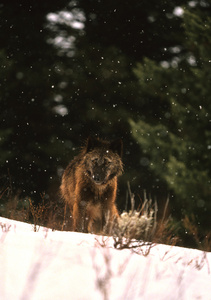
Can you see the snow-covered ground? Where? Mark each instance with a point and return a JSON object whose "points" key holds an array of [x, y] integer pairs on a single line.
{"points": [[68, 265]]}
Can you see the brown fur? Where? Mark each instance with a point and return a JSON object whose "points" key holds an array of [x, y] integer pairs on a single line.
{"points": [[89, 185]]}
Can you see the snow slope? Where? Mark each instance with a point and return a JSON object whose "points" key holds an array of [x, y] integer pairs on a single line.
{"points": [[68, 265]]}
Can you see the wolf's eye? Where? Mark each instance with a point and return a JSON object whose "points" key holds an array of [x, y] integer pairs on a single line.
{"points": [[107, 161], [94, 160]]}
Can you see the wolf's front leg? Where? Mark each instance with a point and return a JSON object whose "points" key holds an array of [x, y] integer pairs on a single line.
{"points": [[80, 220]]}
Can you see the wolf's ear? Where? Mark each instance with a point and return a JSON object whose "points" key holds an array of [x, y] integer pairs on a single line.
{"points": [[91, 144], [117, 147]]}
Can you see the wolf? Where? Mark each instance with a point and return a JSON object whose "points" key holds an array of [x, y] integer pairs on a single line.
{"points": [[89, 185]]}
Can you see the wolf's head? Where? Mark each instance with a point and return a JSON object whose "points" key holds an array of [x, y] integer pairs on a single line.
{"points": [[102, 160]]}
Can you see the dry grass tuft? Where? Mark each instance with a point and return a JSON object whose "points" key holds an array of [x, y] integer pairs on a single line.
{"points": [[140, 230]]}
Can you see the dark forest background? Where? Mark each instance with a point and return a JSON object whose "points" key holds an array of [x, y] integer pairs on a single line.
{"points": [[136, 70]]}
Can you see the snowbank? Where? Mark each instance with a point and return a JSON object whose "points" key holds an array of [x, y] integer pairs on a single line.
{"points": [[68, 265]]}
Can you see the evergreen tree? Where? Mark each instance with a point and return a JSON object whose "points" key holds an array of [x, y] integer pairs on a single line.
{"points": [[177, 140], [26, 97]]}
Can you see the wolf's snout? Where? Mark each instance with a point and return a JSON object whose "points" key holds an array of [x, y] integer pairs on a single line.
{"points": [[97, 178]]}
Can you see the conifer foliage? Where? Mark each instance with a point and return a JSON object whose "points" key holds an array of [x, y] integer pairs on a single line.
{"points": [[178, 140]]}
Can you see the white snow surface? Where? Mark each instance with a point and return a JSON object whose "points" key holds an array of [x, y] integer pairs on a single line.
{"points": [[67, 265]]}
